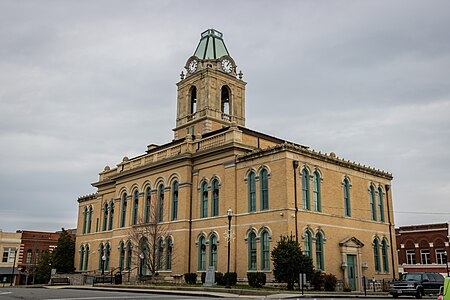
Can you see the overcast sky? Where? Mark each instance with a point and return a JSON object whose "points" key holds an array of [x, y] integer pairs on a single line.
{"points": [[84, 83]]}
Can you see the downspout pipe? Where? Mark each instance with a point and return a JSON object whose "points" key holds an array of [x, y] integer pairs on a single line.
{"points": [[190, 221], [388, 187], [295, 166]]}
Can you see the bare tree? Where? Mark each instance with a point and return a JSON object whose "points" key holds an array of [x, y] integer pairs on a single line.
{"points": [[147, 240]]}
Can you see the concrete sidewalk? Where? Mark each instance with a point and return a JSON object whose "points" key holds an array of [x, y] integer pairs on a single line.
{"points": [[222, 292]]}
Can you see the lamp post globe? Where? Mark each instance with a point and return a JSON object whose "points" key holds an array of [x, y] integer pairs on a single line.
{"points": [[103, 264]]}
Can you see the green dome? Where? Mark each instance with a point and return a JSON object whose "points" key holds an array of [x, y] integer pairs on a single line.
{"points": [[211, 45]]}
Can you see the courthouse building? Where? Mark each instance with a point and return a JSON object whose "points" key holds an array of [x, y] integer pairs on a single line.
{"points": [[340, 211]]}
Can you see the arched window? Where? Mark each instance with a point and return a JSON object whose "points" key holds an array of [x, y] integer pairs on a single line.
{"points": [[215, 198], [319, 251], [264, 186], [161, 203], [85, 219], [317, 192], [169, 252], [86, 260], [90, 220], [160, 254], [225, 100], [105, 217], [381, 204], [148, 193], [251, 191], [202, 254], [252, 251], [174, 200], [108, 254], [101, 252], [129, 255], [307, 244], [373, 205], [124, 210], [346, 186], [376, 254], [213, 252], [265, 251], [121, 255], [81, 258], [204, 200], [134, 216], [384, 254], [111, 215], [193, 101], [305, 189], [143, 256]]}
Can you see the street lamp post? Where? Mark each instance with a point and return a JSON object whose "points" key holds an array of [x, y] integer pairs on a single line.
{"points": [[14, 265], [103, 264], [230, 215], [446, 263], [141, 256]]}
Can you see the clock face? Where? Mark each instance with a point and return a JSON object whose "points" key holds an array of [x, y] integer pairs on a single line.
{"points": [[227, 66], [192, 66]]}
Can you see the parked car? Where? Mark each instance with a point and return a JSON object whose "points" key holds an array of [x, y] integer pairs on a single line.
{"points": [[417, 284], [444, 291]]}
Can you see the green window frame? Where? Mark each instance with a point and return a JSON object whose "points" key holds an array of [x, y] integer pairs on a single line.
{"points": [[347, 207], [319, 252], [169, 254], [251, 181], [252, 259], [121, 256], [148, 199], [111, 216], [105, 217], [161, 203], [90, 220], [129, 255], [159, 255], [373, 205], [204, 200], [101, 252], [81, 258], [213, 252], [381, 204], [265, 251], [108, 254], [384, 255], [134, 216], [124, 210], [376, 255], [307, 244], [215, 198], [264, 189], [317, 192], [85, 219], [305, 190], [86, 260], [174, 200], [202, 254]]}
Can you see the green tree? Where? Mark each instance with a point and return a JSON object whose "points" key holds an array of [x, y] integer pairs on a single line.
{"points": [[63, 255], [289, 262], [44, 268]]}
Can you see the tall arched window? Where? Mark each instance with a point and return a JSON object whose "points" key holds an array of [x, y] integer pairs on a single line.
{"points": [[193, 100], [225, 100], [213, 251], [90, 220], [105, 217], [121, 255], [134, 216], [86, 260], [265, 251], [204, 200], [124, 210], [347, 209], [384, 254], [81, 258], [381, 204], [174, 200], [143, 256], [148, 193], [305, 189], [307, 244], [108, 254], [202, 254], [85, 219], [251, 191], [252, 251], [264, 186], [169, 252], [373, 205], [317, 192], [376, 254], [215, 198], [111, 215], [161, 203], [160, 254], [129, 255], [101, 252], [319, 251]]}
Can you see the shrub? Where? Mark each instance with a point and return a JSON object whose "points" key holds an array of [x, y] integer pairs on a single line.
{"points": [[256, 279], [232, 276], [318, 280], [219, 278], [203, 277], [329, 282], [190, 278]]}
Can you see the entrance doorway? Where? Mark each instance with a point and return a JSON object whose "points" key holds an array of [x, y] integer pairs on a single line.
{"points": [[351, 272]]}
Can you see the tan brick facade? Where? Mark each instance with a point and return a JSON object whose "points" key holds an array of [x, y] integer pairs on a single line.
{"points": [[220, 150]]}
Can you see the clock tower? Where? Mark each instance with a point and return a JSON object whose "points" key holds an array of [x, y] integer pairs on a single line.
{"points": [[211, 95]]}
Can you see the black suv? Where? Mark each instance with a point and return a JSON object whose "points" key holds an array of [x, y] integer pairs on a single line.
{"points": [[417, 284]]}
